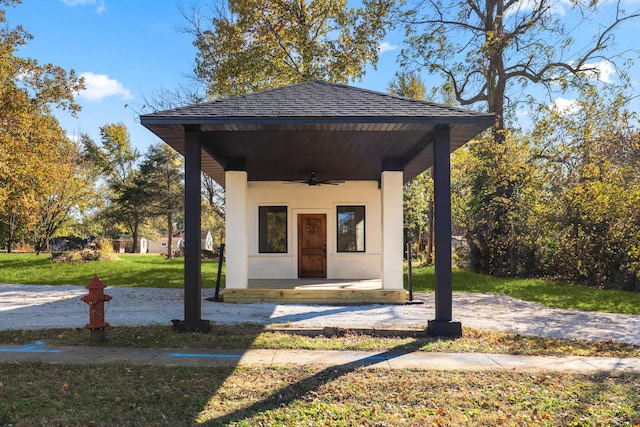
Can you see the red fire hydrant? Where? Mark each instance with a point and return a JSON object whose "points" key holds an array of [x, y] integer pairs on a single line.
{"points": [[96, 299]]}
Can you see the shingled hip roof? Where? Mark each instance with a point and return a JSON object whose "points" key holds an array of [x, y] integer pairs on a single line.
{"points": [[333, 115], [315, 99]]}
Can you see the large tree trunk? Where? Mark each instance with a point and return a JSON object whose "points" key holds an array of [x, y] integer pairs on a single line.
{"points": [[496, 75], [134, 233], [41, 245], [12, 232], [169, 235]]}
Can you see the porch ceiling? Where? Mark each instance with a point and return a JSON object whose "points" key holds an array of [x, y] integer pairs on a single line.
{"points": [[337, 131]]}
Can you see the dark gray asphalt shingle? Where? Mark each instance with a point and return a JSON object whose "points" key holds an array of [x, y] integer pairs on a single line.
{"points": [[316, 99]]}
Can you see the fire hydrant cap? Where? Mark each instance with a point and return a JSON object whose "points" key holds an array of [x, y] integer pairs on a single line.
{"points": [[96, 283]]}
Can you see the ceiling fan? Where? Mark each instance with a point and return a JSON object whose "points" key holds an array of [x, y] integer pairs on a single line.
{"points": [[314, 181]]}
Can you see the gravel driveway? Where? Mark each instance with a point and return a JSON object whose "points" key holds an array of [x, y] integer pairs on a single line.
{"points": [[40, 307]]}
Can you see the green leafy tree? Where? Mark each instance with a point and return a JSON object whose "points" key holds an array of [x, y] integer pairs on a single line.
{"points": [[65, 196], [28, 131], [408, 85], [130, 205], [162, 180], [590, 155], [496, 228], [115, 160], [249, 45], [418, 209], [92, 221]]}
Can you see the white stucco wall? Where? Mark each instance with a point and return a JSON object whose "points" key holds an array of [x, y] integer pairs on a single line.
{"points": [[392, 232], [324, 199], [236, 230]]}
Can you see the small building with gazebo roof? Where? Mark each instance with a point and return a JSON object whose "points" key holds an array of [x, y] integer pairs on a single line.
{"points": [[313, 176]]}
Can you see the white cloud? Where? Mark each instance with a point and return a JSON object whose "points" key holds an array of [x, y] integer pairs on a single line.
{"points": [[100, 86], [559, 7], [563, 105], [602, 70], [386, 46], [99, 3]]}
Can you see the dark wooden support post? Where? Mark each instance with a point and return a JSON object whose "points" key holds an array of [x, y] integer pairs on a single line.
{"points": [[192, 269], [443, 324]]}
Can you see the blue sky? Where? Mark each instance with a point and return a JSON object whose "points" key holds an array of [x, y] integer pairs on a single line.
{"points": [[129, 49]]}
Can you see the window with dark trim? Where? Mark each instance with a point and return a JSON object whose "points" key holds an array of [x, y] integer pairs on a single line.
{"points": [[272, 229], [351, 230]]}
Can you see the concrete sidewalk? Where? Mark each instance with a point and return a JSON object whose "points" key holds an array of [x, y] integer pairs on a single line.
{"points": [[393, 359]]}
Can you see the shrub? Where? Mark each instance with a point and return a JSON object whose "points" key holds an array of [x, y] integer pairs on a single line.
{"points": [[83, 255]]}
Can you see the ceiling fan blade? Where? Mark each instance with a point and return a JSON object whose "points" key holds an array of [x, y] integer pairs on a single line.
{"points": [[328, 182], [313, 181]]}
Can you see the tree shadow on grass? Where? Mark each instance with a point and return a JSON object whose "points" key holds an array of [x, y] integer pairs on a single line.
{"points": [[290, 393]]}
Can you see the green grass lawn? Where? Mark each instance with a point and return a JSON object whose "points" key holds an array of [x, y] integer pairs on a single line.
{"points": [[156, 271], [134, 270], [547, 292]]}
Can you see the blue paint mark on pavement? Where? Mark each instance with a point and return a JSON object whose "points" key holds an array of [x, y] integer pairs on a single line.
{"points": [[30, 348]]}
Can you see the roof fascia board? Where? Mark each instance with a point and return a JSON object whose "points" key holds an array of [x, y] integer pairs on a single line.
{"points": [[165, 120]]}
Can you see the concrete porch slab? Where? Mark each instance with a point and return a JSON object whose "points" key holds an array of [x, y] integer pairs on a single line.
{"points": [[315, 291]]}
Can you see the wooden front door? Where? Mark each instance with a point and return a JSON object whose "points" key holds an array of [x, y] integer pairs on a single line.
{"points": [[312, 246]]}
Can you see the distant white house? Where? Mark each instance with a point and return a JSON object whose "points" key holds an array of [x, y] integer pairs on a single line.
{"points": [[125, 244], [161, 244]]}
